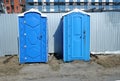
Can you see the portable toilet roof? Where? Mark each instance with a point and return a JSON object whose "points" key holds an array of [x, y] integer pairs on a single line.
{"points": [[76, 10], [33, 10]]}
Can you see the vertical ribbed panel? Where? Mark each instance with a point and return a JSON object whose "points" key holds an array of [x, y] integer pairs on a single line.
{"points": [[105, 32], [8, 34], [54, 32], [104, 35]]}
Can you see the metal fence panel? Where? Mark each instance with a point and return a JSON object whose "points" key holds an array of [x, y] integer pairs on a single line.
{"points": [[8, 34], [105, 32], [55, 32], [104, 37]]}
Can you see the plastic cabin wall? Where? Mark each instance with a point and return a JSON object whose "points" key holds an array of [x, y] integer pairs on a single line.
{"points": [[76, 37]]}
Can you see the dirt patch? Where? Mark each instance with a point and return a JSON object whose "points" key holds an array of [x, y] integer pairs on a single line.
{"points": [[107, 61], [79, 61], [54, 63], [9, 65]]}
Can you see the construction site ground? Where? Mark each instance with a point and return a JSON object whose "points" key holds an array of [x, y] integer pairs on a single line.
{"points": [[99, 68]]}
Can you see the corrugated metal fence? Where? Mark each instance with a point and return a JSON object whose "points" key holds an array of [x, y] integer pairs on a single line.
{"points": [[8, 34], [105, 33]]}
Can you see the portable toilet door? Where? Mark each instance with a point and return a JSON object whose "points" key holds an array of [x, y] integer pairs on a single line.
{"points": [[76, 36], [32, 37]]}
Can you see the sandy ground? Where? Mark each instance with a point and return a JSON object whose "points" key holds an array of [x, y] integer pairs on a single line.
{"points": [[100, 68]]}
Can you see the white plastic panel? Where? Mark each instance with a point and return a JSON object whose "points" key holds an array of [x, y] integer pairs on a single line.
{"points": [[103, 0], [74, 0], [96, 0], [52, 9], [44, 0], [110, 0], [66, 0], [35, 0], [51, 0], [89, 0], [81, 0]]}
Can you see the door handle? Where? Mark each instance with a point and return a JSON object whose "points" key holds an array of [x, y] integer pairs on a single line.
{"points": [[80, 36], [40, 37], [84, 34]]}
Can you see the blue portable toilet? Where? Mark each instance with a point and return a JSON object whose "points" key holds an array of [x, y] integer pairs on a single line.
{"points": [[33, 45], [76, 36]]}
